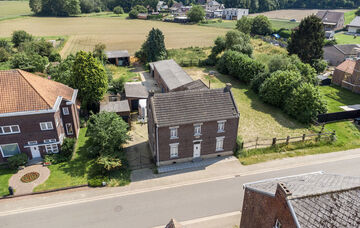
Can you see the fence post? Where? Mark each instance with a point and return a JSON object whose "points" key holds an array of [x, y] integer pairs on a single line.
{"points": [[257, 138], [274, 142], [303, 137], [287, 140], [242, 145]]}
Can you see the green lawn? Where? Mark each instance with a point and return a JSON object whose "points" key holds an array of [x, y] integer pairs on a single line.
{"points": [[342, 38], [276, 24], [349, 16], [5, 175], [14, 9], [128, 72], [189, 56]]}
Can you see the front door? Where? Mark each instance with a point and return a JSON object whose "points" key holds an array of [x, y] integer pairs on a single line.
{"points": [[197, 149], [35, 152]]}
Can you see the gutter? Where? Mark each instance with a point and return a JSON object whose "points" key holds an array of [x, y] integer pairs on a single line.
{"points": [[293, 213], [157, 146]]}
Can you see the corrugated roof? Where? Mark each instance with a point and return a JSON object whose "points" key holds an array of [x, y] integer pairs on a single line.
{"points": [[193, 106], [23, 91], [117, 54], [171, 73], [135, 90]]}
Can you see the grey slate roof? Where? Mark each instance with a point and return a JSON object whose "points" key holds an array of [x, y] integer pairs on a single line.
{"points": [[319, 200], [115, 106], [192, 106], [117, 54], [347, 49], [194, 85], [329, 16], [355, 22], [171, 73], [135, 90]]}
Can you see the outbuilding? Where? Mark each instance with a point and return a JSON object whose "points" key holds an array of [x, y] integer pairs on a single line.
{"points": [[134, 91], [118, 57], [121, 108]]}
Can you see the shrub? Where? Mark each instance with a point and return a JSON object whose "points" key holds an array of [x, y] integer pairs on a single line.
{"points": [[284, 33], [55, 57], [19, 37], [40, 47], [261, 25], [136, 10], [319, 65], [68, 147], [118, 10], [258, 80], [117, 85], [238, 41], [4, 55], [17, 160], [29, 62], [97, 181], [244, 25], [55, 158]]}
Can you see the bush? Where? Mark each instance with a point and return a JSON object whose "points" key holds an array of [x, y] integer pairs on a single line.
{"points": [[196, 13], [319, 65], [55, 57], [29, 62], [261, 26], [258, 80], [55, 158], [136, 10], [117, 85], [4, 55], [40, 47], [118, 10], [97, 181], [17, 160], [68, 147], [19, 37]]}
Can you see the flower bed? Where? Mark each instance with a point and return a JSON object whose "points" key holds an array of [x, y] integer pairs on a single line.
{"points": [[29, 177]]}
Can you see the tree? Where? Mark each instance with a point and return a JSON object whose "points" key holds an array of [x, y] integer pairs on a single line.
{"points": [[5, 44], [107, 134], [19, 37], [41, 47], [4, 55], [196, 13], [319, 65], [244, 25], [136, 10], [304, 103], [357, 12], [278, 86], [99, 52], [89, 77], [153, 49], [117, 85], [118, 10], [63, 71], [308, 40], [261, 25], [238, 41], [29, 62], [35, 6]]}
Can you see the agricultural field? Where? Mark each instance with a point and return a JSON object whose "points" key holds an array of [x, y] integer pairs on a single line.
{"points": [[14, 9], [116, 33]]}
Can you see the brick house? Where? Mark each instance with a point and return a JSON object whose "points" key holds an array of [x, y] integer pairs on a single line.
{"points": [[36, 114], [331, 20], [307, 200], [338, 53], [192, 124], [347, 75]]}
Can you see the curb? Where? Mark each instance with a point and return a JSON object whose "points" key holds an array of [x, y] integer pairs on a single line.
{"points": [[43, 192]]}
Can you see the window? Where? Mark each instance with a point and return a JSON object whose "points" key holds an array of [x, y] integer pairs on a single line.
{"points": [[174, 150], [174, 132], [65, 111], [32, 142], [277, 224], [46, 126], [51, 148], [9, 150], [11, 129], [221, 126], [197, 129], [69, 129], [220, 143]]}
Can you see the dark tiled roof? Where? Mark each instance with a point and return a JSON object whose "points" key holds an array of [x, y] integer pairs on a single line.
{"points": [[347, 49], [329, 16], [115, 106], [194, 85], [171, 73], [319, 200], [117, 54], [192, 106], [135, 90]]}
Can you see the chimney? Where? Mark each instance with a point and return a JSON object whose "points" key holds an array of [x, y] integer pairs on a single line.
{"points": [[227, 87], [151, 93], [282, 190]]}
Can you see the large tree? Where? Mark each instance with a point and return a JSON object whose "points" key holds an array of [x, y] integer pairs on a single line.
{"points": [[19, 37], [307, 41], [153, 49], [244, 25], [89, 76], [261, 25], [196, 13], [55, 7]]}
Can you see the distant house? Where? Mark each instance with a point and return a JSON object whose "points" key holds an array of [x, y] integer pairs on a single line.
{"points": [[161, 6], [307, 200], [134, 92], [175, 9], [234, 13], [336, 54], [36, 114], [169, 75], [354, 26], [331, 20], [347, 75], [119, 58], [213, 6], [193, 124]]}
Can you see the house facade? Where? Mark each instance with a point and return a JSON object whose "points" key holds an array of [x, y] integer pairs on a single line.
{"points": [[354, 26], [192, 124], [213, 5], [36, 114], [307, 200], [338, 53], [331, 20], [347, 75], [234, 13]]}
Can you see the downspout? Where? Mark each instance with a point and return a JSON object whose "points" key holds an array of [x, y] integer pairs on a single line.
{"points": [[293, 213], [157, 146]]}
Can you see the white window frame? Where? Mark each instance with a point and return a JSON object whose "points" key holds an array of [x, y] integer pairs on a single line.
{"points": [[277, 224], [32, 142], [65, 111], [174, 146], [221, 123], [51, 148], [197, 132], [11, 130], [47, 128], [67, 129], [2, 152], [220, 139], [172, 130]]}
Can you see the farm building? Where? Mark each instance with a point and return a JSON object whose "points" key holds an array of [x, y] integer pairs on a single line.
{"points": [[234, 13], [347, 75], [181, 19], [354, 26], [135, 91], [121, 108], [331, 20], [337, 54], [119, 58]]}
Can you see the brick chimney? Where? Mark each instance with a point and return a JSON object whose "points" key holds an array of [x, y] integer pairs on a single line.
{"points": [[282, 191], [151, 93], [227, 87]]}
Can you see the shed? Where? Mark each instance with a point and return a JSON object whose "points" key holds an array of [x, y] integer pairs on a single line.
{"points": [[121, 108], [134, 91], [118, 57]]}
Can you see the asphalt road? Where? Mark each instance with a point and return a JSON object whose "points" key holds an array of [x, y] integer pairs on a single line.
{"points": [[155, 208]]}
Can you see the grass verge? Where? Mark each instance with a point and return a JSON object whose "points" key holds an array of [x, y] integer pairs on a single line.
{"points": [[5, 175]]}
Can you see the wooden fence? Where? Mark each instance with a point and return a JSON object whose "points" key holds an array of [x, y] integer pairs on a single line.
{"points": [[268, 142]]}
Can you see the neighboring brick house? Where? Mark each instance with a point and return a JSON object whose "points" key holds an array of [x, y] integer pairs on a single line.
{"points": [[307, 200], [347, 75], [35, 114], [192, 124], [169, 75], [337, 54], [331, 20]]}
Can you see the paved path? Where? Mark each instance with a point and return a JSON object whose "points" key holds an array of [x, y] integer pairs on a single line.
{"points": [[25, 188]]}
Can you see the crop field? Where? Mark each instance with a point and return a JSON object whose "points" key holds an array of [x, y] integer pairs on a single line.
{"points": [[116, 33], [14, 9]]}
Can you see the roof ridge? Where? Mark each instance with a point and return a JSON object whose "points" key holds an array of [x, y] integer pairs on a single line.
{"points": [[188, 91], [20, 72], [323, 193]]}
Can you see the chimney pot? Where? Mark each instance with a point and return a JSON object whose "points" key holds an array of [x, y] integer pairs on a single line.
{"points": [[151, 93], [227, 87]]}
